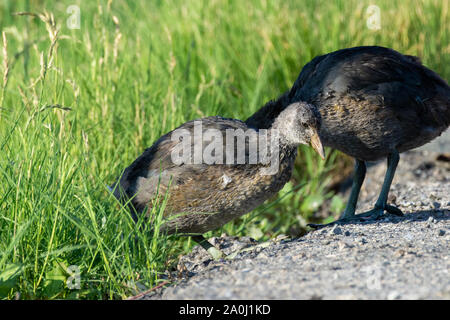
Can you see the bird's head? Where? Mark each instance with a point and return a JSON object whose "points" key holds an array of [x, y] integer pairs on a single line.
{"points": [[298, 124]]}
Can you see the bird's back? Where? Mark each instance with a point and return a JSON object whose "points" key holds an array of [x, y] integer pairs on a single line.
{"points": [[373, 100]]}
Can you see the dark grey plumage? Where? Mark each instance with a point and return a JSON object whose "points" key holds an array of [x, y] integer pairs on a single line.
{"points": [[373, 103]]}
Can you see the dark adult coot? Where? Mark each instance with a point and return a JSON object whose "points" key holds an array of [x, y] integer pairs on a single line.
{"points": [[204, 195], [373, 103]]}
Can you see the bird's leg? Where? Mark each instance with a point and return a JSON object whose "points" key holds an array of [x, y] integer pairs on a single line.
{"points": [[358, 179], [381, 204], [349, 212], [205, 244]]}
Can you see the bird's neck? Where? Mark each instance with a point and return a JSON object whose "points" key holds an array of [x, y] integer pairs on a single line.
{"points": [[276, 135]]}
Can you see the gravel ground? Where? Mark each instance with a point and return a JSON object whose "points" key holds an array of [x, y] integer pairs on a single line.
{"points": [[392, 258]]}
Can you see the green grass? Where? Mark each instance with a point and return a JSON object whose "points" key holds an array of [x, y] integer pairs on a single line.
{"points": [[78, 106]]}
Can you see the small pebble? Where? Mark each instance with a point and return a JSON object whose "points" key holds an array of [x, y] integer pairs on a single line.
{"points": [[430, 221], [345, 244], [436, 205], [394, 295], [362, 240], [441, 232], [392, 198], [408, 236], [281, 237], [347, 233], [336, 230], [309, 268], [400, 253]]}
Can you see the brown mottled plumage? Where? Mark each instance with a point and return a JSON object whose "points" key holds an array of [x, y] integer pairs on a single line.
{"points": [[206, 196], [373, 103]]}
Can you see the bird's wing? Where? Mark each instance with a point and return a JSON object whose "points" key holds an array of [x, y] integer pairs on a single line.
{"points": [[309, 72], [153, 171], [410, 90], [415, 94]]}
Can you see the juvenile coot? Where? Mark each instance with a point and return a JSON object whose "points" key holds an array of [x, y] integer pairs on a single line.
{"points": [[373, 103], [203, 195]]}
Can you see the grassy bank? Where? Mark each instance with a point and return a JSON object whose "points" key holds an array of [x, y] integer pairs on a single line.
{"points": [[78, 105]]}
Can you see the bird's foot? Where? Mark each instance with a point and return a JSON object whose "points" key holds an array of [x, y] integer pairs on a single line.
{"points": [[318, 226], [370, 215], [342, 220], [378, 212]]}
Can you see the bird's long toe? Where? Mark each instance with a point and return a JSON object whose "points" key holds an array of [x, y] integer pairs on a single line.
{"points": [[393, 210], [320, 225], [366, 216], [370, 215], [373, 214], [377, 213]]}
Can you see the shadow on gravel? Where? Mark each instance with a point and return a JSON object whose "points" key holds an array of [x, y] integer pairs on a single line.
{"points": [[415, 216]]}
